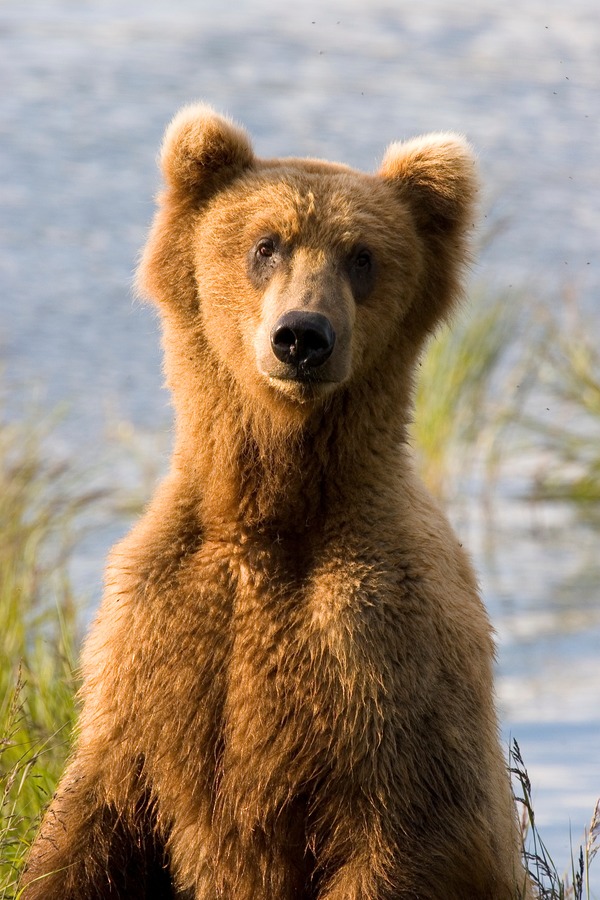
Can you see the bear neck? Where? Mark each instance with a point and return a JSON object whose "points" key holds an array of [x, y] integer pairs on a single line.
{"points": [[250, 471]]}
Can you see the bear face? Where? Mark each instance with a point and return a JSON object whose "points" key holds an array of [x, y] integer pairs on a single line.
{"points": [[298, 276], [314, 305]]}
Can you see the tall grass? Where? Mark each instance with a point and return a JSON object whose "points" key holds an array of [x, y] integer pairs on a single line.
{"points": [[566, 427], [39, 503], [464, 395], [548, 882], [498, 388]]}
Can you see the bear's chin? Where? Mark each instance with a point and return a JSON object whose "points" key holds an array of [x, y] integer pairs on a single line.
{"points": [[302, 391], [291, 403]]}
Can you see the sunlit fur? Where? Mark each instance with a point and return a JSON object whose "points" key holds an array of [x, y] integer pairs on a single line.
{"points": [[288, 687]]}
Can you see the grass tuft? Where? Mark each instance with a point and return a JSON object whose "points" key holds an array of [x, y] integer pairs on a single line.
{"points": [[566, 426], [40, 502], [548, 883], [461, 401]]}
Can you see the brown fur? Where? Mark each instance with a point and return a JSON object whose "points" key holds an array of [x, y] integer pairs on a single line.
{"points": [[288, 688]]}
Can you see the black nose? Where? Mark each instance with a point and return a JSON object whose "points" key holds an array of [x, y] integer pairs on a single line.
{"points": [[303, 339]]}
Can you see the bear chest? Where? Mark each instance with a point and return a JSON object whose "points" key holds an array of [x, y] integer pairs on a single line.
{"points": [[308, 674]]}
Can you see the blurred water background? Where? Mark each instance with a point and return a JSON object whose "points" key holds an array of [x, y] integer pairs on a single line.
{"points": [[87, 88]]}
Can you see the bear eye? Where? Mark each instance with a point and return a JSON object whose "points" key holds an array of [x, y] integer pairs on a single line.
{"points": [[363, 261], [361, 271], [263, 258], [266, 248]]}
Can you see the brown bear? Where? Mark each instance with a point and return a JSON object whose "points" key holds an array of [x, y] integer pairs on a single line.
{"points": [[288, 688]]}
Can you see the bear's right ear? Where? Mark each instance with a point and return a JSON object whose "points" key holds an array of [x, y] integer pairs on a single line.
{"points": [[202, 150]]}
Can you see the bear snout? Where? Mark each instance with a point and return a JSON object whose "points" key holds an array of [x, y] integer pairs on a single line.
{"points": [[304, 340]]}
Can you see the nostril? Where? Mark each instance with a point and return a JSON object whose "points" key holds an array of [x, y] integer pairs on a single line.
{"points": [[318, 341], [303, 339], [284, 342]]}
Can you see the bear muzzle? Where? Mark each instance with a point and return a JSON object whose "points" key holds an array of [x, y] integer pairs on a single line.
{"points": [[303, 341]]}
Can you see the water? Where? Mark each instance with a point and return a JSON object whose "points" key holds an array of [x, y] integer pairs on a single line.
{"points": [[87, 90]]}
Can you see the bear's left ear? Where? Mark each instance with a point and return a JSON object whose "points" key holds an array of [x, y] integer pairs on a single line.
{"points": [[437, 175], [202, 150]]}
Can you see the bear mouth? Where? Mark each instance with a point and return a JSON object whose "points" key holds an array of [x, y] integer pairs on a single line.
{"points": [[302, 385], [303, 374]]}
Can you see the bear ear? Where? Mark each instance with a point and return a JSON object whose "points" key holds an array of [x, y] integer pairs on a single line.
{"points": [[436, 173], [202, 150]]}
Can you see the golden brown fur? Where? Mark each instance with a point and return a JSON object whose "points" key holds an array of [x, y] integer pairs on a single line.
{"points": [[288, 688]]}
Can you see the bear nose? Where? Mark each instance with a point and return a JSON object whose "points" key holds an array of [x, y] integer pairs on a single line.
{"points": [[303, 339]]}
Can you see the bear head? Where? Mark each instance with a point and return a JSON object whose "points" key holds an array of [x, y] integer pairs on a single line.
{"points": [[294, 279]]}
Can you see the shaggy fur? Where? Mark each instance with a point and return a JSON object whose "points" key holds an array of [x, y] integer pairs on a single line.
{"points": [[288, 688]]}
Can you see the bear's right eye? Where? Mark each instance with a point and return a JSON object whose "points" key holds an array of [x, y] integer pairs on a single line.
{"points": [[266, 248], [262, 259]]}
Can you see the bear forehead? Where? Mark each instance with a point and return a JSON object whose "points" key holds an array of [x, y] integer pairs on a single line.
{"points": [[300, 203]]}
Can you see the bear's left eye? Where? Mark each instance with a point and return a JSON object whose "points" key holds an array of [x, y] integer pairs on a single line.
{"points": [[361, 271], [363, 261]]}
